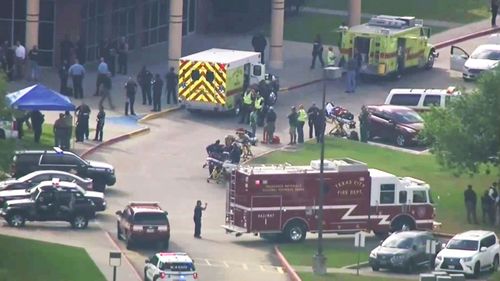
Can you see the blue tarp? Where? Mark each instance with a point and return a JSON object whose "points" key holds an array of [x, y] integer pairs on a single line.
{"points": [[39, 97]]}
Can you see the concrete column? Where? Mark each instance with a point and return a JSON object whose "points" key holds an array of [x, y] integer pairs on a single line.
{"points": [[175, 33], [354, 12], [32, 21], [277, 26]]}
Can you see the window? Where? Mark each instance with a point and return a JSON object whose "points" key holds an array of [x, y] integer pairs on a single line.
{"points": [[155, 21], [432, 100], [123, 21], [387, 193], [405, 99], [151, 218], [403, 198], [419, 196], [257, 70], [92, 22], [71, 160], [40, 178], [210, 76], [154, 260], [195, 75], [177, 266], [488, 241], [51, 159]]}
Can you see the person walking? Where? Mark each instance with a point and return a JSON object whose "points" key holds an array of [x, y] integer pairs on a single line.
{"points": [[34, 60], [470, 200], [37, 119], [172, 80], [63, 77], [77, 73], [122, 56], [102, 72], [312, 114], [198, 210], [292, 122], [83, 115], [301, 121], [58, 130], [157, 90], [330, 57], [144, 79], [99, 128], [494, 12], [259, 44], [131, 89], [352, 70], [317, 52], [270, 125], [364, 124], [20, 59], [105, 91]]}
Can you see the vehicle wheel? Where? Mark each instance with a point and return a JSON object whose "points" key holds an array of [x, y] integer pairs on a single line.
{"points": [[477, 270], [375, 268], [494, 267], [118, 232], [295, 232], [16, 220], [397, 225], [430, 61], [400, 140], [273, 98], [80, 222]]}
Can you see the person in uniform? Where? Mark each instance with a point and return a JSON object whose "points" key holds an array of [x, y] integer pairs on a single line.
{"points": [[364, 124], [131, 88], [312, 114], [270, 125], [301, 121], [172, 81], [292, 122], [83, 116], [157, 90], [198, 210], [68, 130], [470, 200], [259, 107], [37, 119], [101, 116], [58, 130], [246, 106], [144, 79]]}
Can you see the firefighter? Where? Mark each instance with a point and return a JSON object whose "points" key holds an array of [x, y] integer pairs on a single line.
{"points": [[246, 106], [259, 107], [364, 124], [198, 210]]}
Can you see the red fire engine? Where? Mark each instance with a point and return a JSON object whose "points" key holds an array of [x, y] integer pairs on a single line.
{"points": [[283, 199]]}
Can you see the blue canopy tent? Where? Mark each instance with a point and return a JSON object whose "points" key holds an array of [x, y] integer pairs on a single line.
{"points": [[39, 97]]}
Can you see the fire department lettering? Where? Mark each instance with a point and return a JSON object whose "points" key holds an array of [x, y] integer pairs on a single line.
{"points": [[283, 188], [265, 216]]}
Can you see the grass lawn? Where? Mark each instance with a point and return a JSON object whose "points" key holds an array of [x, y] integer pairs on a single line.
{"points": [[7, 147], [447, 190], [461, 11], [308, 276], [34, 260]]}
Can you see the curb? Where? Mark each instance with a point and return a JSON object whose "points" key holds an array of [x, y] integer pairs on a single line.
{"points": [[261, 155], [155, 115], [288, 268], [115, 140]]}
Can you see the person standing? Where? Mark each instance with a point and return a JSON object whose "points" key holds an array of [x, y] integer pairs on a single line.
{"points": [[198, 210], [20, 117], [270, 125], [157, 90], [470, 200], [67, 131], [144, 79], [320, 125], [312, 114], [77, 73], [99, 128], [20, 59], [131, 89], [292, 123], [246, 106], [364, 124], [105, 91], [172, 80], [259, 44], [58, 130], [485, 206], [352, 69], [253, 122], [34, 60], [330, 57], [492, 197], [317, 52], [122, 56], [494, 12], [37, 119], [83, 116], [102, 71], [301, 121], [259, 107], [63, 77]]}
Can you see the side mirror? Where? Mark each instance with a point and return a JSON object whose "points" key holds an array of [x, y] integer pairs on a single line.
{"points": [[443, 245], [146, 261], [483, 249], [119, 213]]}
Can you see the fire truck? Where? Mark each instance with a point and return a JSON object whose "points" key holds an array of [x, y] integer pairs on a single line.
{"points": [[283, 199]]}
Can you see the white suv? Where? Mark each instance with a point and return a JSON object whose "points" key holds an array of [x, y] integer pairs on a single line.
{"points": [[170, 266], [470, 253]]}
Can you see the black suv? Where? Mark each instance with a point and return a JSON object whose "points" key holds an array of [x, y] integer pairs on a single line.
{"points": [[50, 205], [28, 161]]}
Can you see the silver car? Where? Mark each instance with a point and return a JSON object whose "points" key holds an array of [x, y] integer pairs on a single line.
{"points": [[34, 178]]}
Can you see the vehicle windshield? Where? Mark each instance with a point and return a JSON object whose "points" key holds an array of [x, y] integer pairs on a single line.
{"points": [[398, 243], [151, 218], [486, 54], [466, 245], [407, 117], [178, 266]]}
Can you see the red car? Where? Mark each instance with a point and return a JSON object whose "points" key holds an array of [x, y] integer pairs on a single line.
{"points": [[396, 123]]}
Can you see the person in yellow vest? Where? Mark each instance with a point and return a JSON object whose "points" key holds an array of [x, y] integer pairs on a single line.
{"points": [[246, 106], [259, 107], [301, 120]]}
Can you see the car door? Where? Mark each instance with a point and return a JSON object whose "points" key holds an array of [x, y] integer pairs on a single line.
{"points": [[46, 205], [458, 57], [377, 124], [151, 267], [419, 255], [52, 161]]}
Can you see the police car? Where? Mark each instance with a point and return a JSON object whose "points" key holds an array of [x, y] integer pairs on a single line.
{"points": [[170, 266]]}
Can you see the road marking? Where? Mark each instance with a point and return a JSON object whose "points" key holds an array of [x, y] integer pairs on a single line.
{"points": [[225, 263], [245, 267], [279, 269], [208, 263]]}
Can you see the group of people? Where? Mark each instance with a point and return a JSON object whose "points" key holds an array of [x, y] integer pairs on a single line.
{"points": [[490, 205], [13, 61]]}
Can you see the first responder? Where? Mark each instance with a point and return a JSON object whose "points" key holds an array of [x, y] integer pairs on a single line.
{"points": [[259, 107], [246, 106], [330, 57], [363, 124], [301, 121]]}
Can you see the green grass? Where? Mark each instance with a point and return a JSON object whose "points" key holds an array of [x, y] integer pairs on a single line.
{"points": [[339, 253], [7, 147], [33, 260], [461, 11], [307, 276], [447, 189]]}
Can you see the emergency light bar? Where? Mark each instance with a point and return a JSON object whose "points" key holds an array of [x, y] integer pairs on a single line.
{"points": [[58, 150], [56, 181], [144, 203]]}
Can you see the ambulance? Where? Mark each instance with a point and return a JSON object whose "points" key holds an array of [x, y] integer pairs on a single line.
{"points": [[214, 80], [389, 45]]}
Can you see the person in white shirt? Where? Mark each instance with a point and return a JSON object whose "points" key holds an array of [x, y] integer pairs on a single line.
{"points": [[20, 58]]}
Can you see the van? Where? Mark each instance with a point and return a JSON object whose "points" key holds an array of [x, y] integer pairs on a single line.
{"points": [[421, 99]]}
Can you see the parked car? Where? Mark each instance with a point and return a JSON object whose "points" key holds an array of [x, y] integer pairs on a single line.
{"points": [[470, 253], [143, 222], [422, 99], [96, 197], [484, 58], [33, 179], [50, 204], [27, 161], [403, 250], [397, 123], [170, 266], [8, 128]]}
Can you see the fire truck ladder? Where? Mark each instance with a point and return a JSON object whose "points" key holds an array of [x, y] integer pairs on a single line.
{"points": [[231, 199]]}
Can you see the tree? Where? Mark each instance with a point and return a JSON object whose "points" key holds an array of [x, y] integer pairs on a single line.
{"points": [[5, 111], [466, 134]]}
